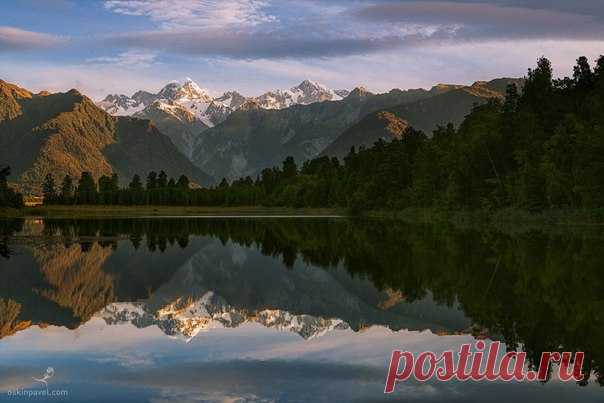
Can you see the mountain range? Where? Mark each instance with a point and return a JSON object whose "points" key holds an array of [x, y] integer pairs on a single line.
{"points": [[446, 104], [66, 134], [184, 110], [182, 129], [253, 138], [190, 95]]}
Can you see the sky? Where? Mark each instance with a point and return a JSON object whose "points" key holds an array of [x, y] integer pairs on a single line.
{"points": [[252, 46], [249, 363]]}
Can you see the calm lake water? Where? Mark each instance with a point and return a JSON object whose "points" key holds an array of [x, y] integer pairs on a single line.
{"points": [[286, 309]]}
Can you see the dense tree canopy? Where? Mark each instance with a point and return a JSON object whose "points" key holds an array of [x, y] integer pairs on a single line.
{"points": [[8, 196]]}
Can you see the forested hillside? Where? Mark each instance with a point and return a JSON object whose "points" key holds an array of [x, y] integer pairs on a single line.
{"points": [[540, 149], [66, 133]]}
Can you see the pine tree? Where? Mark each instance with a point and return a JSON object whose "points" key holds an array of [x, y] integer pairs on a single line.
{"points": [[162, 180], [48, 189], [8, 197], [151, 180], [67, 190], [4, 174], [137, 192], [183, 182], [86, 192], [136, 184], [290, 170]]}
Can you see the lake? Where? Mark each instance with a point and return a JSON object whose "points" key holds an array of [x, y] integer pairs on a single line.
{"points": [[286, 309]]}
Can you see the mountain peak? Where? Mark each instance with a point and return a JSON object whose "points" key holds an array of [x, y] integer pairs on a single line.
{"points": [[75, 92], [231, 99], [14, 90], [250, 104], [359, 92], [307, 92], [187, 90], [310, 87]]}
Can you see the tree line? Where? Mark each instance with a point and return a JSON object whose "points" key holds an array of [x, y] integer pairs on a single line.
{"points": [[8, 196], [157, 190]]}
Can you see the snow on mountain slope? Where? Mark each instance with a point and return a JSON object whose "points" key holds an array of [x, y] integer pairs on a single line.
{"points": [[120, 105], [211, 111], [186, 96], [307, 92]]}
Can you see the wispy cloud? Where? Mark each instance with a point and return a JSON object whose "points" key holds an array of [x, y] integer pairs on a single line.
{"points": [[256, 44], [16, 39], [251, 30], [131, 58], [201, 14], [267, 29], [483, 21]]}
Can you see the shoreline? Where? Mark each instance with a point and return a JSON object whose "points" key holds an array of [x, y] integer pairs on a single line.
{"points": [[94, 211], [504, 218]]}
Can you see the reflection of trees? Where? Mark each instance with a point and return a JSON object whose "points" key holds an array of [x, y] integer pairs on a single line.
{"points": [[7, 228], [75, 278], [540, 291], [9, 313]]}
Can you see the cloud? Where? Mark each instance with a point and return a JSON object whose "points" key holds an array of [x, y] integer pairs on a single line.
{"points": [[96, 80], [257, 44], [483, 21], [244, 29], [315, 29], [16, 39], [179, 14], [131, 58]]}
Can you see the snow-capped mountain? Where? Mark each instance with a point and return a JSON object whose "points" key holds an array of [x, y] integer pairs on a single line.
{"points": [[307, 92], [231, 99], [184, 110], [342, 93], [186, 318], [121, 105], [186, 96], [211, 111]]}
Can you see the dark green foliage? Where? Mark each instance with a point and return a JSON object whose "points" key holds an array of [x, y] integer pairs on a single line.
{"points": [[108, 189], [8, 196], [183, 182], [86, 192], [67, 191], [48, 189]]}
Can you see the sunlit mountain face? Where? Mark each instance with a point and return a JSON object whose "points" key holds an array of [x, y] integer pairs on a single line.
{"points": [[160, 302]]}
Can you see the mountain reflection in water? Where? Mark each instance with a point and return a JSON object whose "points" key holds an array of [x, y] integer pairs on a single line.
{"points": [[534, 290]]}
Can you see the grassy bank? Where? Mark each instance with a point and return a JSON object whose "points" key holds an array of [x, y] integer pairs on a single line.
{"points": [[149, 211]]}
